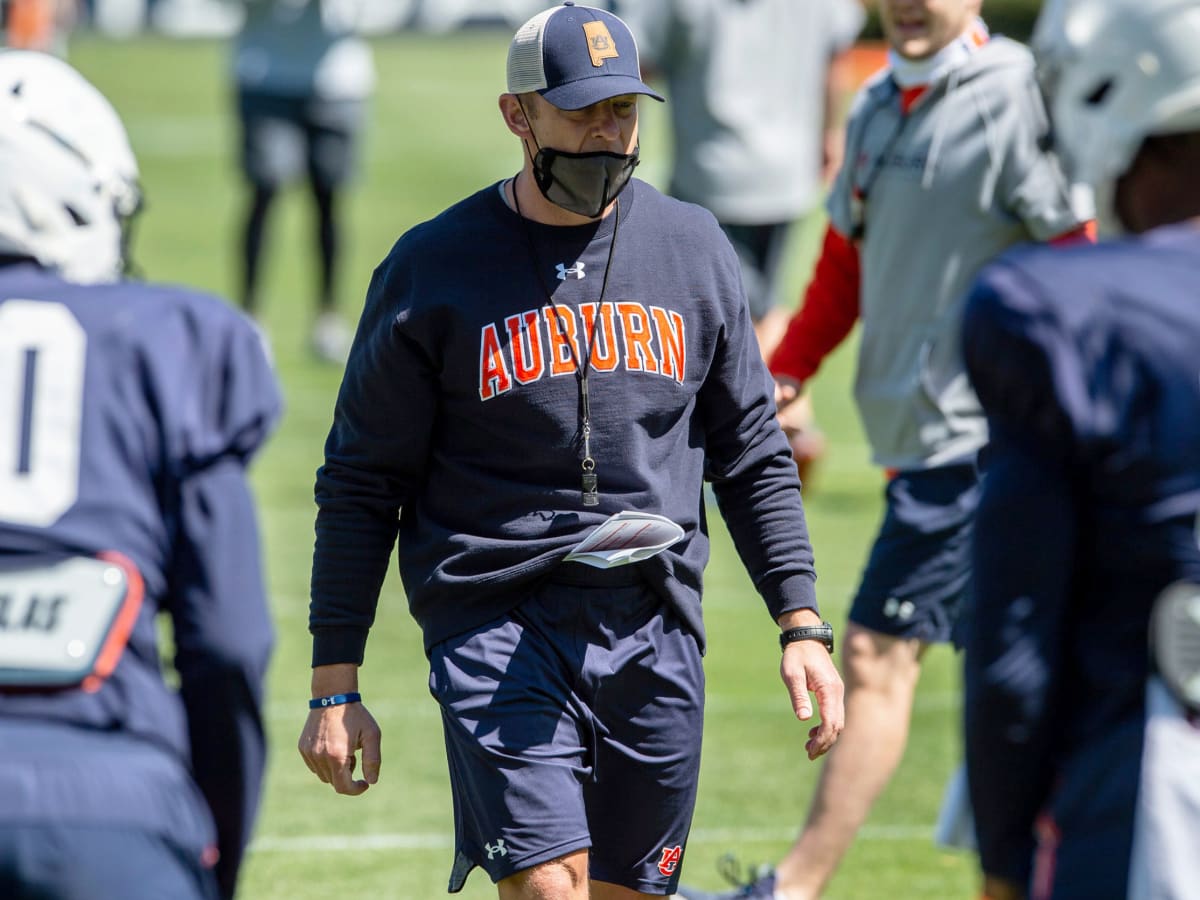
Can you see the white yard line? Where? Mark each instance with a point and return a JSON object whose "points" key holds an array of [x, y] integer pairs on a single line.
{"points": [[423, 707], [370, 843]]}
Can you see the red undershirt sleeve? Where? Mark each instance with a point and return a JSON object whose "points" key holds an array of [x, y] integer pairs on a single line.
{"points": [[829, 311]]}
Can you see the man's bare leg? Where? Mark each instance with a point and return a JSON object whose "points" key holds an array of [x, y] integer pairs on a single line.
{"points": [[603, 890], [881, 676], [565, 878]]}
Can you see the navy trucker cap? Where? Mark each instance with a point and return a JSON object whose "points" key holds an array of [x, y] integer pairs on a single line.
{"points": [[575, 56]]}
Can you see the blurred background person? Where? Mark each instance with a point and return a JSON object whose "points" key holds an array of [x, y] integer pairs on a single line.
{"points": [[950, 134], [1084, 770], [130, 413], [758, 90], [303, 77], [38, 24]]}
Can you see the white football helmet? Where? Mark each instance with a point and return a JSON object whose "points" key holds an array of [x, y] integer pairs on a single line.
{"points": [[1115, 72], [68, 177]]}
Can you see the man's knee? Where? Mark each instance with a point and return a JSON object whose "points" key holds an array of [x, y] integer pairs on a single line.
{"points": [[564, 878], [876, 661]]}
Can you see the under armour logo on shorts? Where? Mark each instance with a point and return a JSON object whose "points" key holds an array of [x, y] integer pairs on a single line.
{"points": [[496, 849]]}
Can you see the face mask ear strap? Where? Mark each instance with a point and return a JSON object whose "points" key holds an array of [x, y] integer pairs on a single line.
{"points": [[528, 124], [542, 158]]}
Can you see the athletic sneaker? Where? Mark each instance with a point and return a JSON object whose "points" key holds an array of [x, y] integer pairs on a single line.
{"points": [[330, 340], [757, 883]]}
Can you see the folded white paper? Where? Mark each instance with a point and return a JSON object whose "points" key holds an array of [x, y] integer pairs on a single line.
{"points": [[625, 538]]}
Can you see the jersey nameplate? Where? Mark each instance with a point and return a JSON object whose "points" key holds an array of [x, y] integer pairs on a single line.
{"points": [[65, 623]]}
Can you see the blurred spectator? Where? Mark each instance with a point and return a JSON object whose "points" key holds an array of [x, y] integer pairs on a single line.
{"points": [[757, 91], [303, 78], [38, 24]]}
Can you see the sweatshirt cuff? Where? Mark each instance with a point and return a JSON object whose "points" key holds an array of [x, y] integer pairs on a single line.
{"points": [[338, 645], [795, 592]]}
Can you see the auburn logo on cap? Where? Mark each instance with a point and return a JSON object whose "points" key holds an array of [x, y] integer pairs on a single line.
{"points": [[600, 43]]}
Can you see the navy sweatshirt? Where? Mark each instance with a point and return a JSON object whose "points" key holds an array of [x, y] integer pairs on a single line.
{"points": [[458, 425]]}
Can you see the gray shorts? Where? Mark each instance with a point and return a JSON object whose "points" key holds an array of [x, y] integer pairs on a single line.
{"points": [[574, 722], [285, 137]]}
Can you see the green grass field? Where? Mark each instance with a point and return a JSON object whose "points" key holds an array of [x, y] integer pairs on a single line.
{"points": [[435, 136]]}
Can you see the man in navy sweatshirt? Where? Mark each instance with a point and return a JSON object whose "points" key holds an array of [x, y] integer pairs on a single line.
{"points": [[562, 347]]}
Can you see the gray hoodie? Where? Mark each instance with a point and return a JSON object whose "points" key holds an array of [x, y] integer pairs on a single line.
{"points": [[930, 196]]}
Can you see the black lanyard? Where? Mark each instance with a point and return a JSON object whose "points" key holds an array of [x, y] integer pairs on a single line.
{"points": [[591, 496], [861, 189]]}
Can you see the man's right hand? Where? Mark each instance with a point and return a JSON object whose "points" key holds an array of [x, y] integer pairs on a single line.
{"points": [[787, 390], [331, 738]]}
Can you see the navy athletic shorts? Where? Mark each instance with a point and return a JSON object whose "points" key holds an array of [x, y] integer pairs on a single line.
{"points": [[919, 570], [574, 722], [286, 137]]}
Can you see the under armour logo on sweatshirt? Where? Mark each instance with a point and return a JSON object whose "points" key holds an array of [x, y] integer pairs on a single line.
{"points": [[575, 271]]}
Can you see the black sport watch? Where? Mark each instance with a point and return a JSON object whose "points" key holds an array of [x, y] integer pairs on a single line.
{"points": [[822, 633]]}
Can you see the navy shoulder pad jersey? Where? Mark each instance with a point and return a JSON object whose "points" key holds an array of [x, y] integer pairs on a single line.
{"points": [[1085, 361], [128, 413], [458, 422]]}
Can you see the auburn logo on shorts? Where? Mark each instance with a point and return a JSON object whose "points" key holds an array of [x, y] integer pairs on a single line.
{"points": [[670, 859]]}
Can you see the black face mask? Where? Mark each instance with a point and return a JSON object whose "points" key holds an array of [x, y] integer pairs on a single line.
{"points": [[583, 183]]}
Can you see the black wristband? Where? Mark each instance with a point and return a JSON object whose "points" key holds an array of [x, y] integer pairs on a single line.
{"points": [[822, 633]]}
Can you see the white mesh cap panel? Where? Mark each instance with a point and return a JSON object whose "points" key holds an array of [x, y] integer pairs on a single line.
{"points": [[525, 71]]}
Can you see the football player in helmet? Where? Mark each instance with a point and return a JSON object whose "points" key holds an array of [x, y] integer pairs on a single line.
{"points": [[129, 413], [1083, 757]]}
